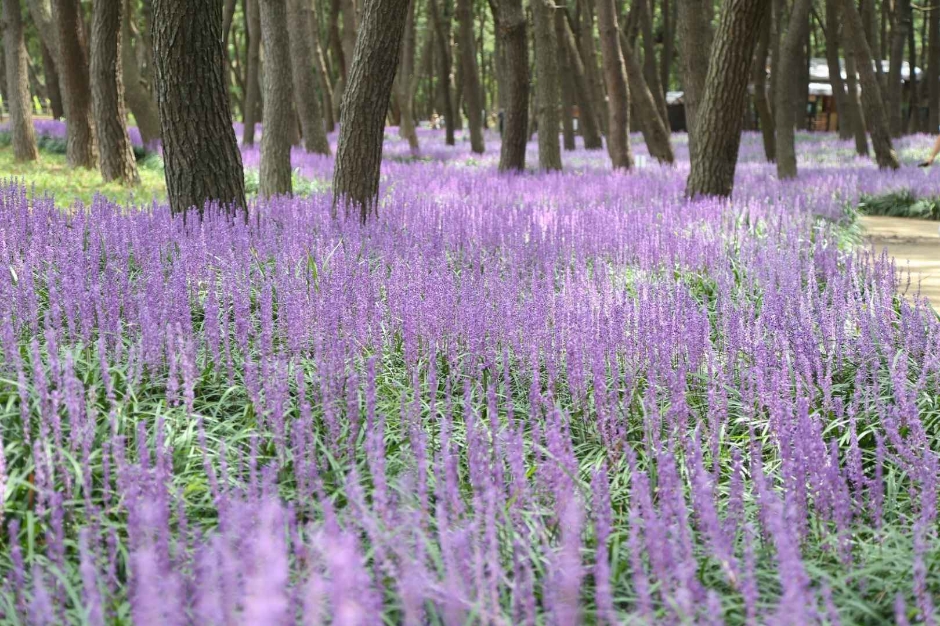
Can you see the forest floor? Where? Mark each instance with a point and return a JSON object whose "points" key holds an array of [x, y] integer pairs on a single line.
{"points": [[915, 245]]}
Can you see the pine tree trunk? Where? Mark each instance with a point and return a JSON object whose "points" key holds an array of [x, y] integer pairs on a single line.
{"points": [[721, 111], [846, 113], [787, 86], [589, 57], [18, 100], [339, 58], [107, 94], [52, 84], [304, 75], [566, 81], [546, 85], [872, 101], [669, 43], [141, 103], [695, 35], [899, 31], [765, 115], [359, 154], [471, 75], [406, 82], [322, 73], [651, 123], [81, 146], [445, 71], [202, 161], [512, 35], [587, 120], [933, 69], [279, 121], [650, 71], [852, 101], [618, 94], [253, 86], [350, 26]]}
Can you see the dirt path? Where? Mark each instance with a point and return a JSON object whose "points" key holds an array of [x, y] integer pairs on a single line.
{"points": [[914, 244]]}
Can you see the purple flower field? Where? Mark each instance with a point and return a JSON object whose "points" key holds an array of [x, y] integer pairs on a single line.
{"points": [[560, 399]]}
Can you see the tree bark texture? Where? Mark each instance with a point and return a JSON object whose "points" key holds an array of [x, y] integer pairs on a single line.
{"points": [[202, 161], [304, 76], [846, 113], [618, 94], [787, 87], [695, 35], [406, 82], [81, 147], [669, 42], [139, 100], [899, 30], [18, 101], [872, 102], [589, 57], [852, 99], [445, 66], [933, 69], [512, 36], [471, 75], [359, 154], [652, 125], [588, 122], [107, 94], [52, 84], [546, 85], [323, 74], [765, 114], [566, 80], [278, 121], [350, 25], [650, 70], [721, 113], [253, 86]]}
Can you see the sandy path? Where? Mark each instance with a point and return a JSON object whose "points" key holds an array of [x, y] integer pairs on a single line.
{"points": [[914, 244]]}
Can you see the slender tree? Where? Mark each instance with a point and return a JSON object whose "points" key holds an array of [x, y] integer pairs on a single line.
{"points": [[406, 82], [695, 35], [933, 68], [18, 100], [470, 75], [721, 112], [566, 80], [445, 66], [202, 161], [52, 84], [847, 115], [650, 70], [365, 102], [759, 80], [853, 102], [618, 94], [589, 57], [81, 147], [546, 85], [253, 86], [588, 118], [901, 25], [323, 74], [872, 102], [512, 36], [786, 91], [139, 100], [279, 121], [652, 125], [304, 76]]}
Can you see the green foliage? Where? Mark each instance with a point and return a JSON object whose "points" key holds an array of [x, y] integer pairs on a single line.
{"points": [[901, 203]]}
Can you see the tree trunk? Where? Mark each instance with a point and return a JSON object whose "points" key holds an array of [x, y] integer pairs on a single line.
{"points": [[18, 100], [323, 74], [852, 101], [359, 154], [846, 113], [866, 10], [618, 94], [350, 24], [107, 94], [81, 147], [588, 122], [278, 121], [546, 85], [654, 128], [721, 111], [305, 91], [914, 92], [202, 161], [253, 87], [669, 42], [445, 71], [765, 115], [141, 103], [650, 71], [339, 58], [52, 84], [512, 35], [786, 92], [695, 35], [471, 75], [871, 91], [899, 31], [589, 57], [566, 80], [933, 69], [406, 82]]}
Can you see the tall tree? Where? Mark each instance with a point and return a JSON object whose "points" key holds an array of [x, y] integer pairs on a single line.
{"points": [[304, 76], [589, 56], [81, 147], [445, 66], [18, 100], [589, 124], [253, 86], [901, 25], [650, 70], [669, 42], [695, 37], [786, 90], [365, 102], [652, 125], [933, 68], [107, 94], [618, 94], [323, 74], [546, 85], [470, 75], [566, 80], [721, 112], [512, 35], [852, 100], [139, 100], [406, 82], [202, 161], [765, 114], [52, 84], [279, 121], [872, 102], [847, 115]]}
